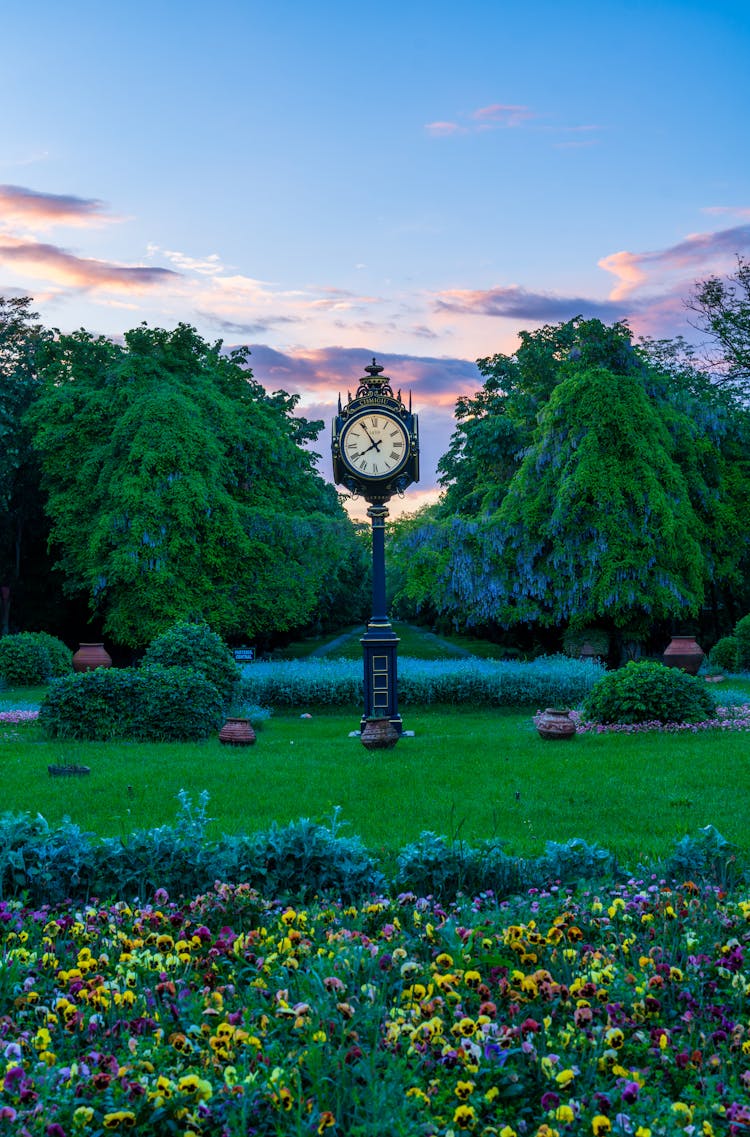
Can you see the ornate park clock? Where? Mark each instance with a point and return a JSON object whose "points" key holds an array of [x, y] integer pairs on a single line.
{"points": [[376, 455]]}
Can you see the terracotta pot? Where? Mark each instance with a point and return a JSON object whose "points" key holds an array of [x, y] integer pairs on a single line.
{"points": [[237, 732], [555, 723], [685, 653], [90, 656], [379, 734]]}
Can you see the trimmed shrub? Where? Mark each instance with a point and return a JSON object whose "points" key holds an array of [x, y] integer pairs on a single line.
{"points": [[178, 703], [649, 692], [197, 647], [723, 655], [742, 634], [153, 704], [60, 655], [24, 660], [99, 704]]}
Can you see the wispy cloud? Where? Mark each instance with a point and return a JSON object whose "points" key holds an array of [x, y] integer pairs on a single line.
{"points": [[577, 136], [698, 252], [434, 380], [517, 303], [495, 116], [203, 266], [728, 210], [25, 212], [54, 264], [37, 211]]}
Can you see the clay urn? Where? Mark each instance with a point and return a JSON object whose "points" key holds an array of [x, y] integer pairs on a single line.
{"points": [[684, 652], [90, 656], [379, 734], [237, 732], [555, 723]]}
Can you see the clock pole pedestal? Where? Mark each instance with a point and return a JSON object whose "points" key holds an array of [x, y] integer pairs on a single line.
{"points": [[380, 642]]}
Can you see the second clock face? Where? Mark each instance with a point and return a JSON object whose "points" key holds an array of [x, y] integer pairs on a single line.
{"points": [[374, 445]]}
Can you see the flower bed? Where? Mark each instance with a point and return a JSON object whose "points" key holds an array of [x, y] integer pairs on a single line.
{"points": [[727, 718], [17, 716], [554, 1014]]}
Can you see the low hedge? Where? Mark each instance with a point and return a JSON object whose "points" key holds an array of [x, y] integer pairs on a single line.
{"points": [[472, 682]]}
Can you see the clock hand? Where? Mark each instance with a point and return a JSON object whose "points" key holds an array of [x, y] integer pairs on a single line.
{"points": [[374, 445]]}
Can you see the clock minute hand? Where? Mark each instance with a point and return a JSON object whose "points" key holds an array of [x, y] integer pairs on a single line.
{"points": [[373, 444]]}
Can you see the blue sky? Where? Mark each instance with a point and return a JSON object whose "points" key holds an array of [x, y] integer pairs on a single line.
{"points": [[330, 181]]}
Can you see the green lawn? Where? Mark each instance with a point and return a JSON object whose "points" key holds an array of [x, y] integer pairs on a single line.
{"points": [[414, 642], [473, 773]]}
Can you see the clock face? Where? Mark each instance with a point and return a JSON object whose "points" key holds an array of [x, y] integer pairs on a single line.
{"points": [[374, 445]]}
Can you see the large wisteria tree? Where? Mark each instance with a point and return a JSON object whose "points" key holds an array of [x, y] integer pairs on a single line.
{"points": [[590, 482]]}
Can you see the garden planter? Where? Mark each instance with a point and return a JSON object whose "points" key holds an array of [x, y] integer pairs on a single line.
{"points": [[90, 656], [379, 734], [237, 732], [555, 723], [685, 653]]}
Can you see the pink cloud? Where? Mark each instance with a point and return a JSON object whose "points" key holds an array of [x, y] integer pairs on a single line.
{"points": [[442, 129], [52, 263], [495, 116], [501, 115], [34, 210], [698, 251]]}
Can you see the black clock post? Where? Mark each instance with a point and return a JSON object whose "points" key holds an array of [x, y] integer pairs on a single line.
{"points": [[375, 447]]}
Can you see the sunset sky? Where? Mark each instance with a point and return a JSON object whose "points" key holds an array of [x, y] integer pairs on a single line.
{"points": [[331, 181]]}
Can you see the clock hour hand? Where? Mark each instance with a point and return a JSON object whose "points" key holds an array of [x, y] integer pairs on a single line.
{"points": [[373, 444]]}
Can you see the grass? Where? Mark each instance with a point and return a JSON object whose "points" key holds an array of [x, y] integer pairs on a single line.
{"points": [[475, 774], [414, 642]]}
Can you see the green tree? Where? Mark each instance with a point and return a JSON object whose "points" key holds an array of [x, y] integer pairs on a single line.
{"points": [[178, 489], [589, 480], [23, 525], [494, 425], [597, 524]]}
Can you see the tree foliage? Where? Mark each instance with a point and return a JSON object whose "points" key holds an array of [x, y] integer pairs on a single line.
{"points": [[722, 308], [178, 489], [590, 481], [23, 525]]}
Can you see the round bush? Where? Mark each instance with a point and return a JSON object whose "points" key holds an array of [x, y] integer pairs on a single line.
{"points": [[649, 692], [197, 647], [723, 655], [24, 660], [179, 703], [60, 655]]}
